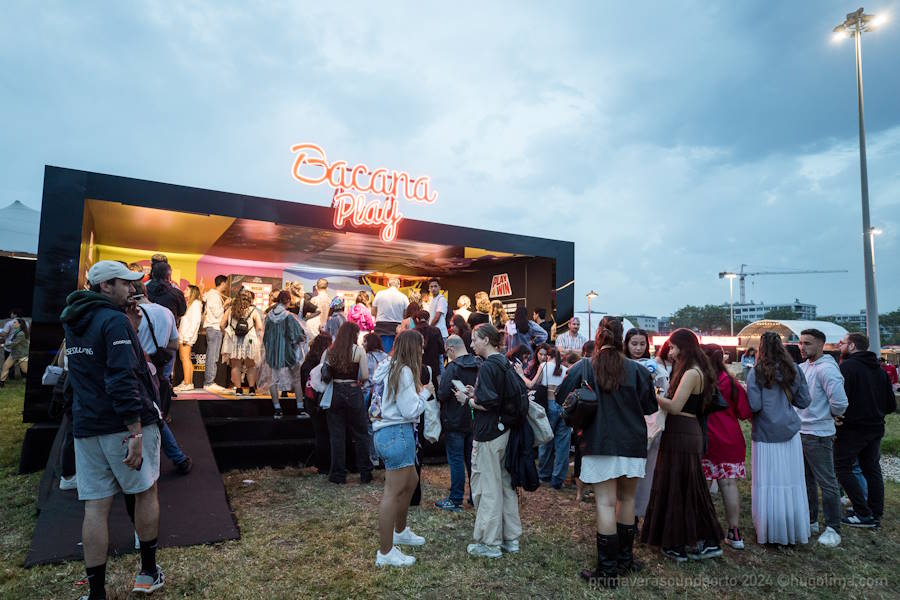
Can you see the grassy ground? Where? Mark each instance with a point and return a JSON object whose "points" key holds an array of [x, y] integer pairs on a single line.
{"points": [[303, 537]]}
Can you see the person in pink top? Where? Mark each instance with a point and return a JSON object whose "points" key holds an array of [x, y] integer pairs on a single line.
{"points": [[361, 315], [726, 448]]}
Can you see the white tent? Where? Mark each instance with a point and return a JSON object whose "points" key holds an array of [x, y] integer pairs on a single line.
{"points": [[789, 330], [19, 226]]}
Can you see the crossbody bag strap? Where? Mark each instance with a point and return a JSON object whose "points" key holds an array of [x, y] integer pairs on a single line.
{"points": [[150, 325]]}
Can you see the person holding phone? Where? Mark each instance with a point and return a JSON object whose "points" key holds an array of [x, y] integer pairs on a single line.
{"points": [[456, 420]]}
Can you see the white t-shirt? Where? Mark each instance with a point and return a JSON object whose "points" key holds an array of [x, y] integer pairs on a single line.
{"points": [[163, 327], [215, 308], [439, 305], [548, 378], [390, 304]]}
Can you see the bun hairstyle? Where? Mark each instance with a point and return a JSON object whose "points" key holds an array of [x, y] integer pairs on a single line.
{"points": [[488, 332], [609, 358]]}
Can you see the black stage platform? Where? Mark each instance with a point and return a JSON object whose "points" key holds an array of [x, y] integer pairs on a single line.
{"points": [[193, 508]]}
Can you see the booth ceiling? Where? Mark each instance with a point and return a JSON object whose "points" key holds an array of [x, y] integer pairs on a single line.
{"points": [[156, 230]]}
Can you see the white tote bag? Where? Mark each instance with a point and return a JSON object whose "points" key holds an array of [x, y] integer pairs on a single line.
{"points": [[540, 424], [432, 420]]}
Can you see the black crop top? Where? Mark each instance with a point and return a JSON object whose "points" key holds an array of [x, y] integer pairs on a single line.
{"points": [[693, 404]]}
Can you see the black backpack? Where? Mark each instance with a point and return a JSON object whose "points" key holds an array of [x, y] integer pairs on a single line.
{"points": [[242, 327], [514, 401]]}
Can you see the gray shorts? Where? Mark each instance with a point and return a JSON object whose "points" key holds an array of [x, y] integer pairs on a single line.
{"points": [[101, 472]]}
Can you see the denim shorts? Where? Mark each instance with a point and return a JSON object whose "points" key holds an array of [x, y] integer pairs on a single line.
{"points": [[396, 446]]}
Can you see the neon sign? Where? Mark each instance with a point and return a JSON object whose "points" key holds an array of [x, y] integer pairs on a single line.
{"points": [[353, 184]]}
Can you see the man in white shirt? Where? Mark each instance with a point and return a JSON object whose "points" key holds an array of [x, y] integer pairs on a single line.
{"points": [[571, 341], [388, 308], [817, 431], [216, 304], [438, 307]]}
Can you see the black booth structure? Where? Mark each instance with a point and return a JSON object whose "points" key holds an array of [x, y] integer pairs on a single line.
{"points": [[91, 216]]}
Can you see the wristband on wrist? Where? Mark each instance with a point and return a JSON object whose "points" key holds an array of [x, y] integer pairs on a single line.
{"points": [[135, 436]]}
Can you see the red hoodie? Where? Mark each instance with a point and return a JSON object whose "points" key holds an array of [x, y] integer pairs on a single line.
{"points": [[726, 440]]}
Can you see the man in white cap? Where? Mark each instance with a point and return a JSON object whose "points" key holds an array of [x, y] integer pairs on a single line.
{"points": [[115, 420]]}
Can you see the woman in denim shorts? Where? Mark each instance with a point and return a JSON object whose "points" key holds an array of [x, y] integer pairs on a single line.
{"points": [[402, 403]]}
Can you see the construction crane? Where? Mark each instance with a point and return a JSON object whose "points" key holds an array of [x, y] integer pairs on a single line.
{"points": [[742, 275]]}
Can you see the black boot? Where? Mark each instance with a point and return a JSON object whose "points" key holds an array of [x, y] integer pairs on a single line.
{"points": [[626, 562], [607, 573]]}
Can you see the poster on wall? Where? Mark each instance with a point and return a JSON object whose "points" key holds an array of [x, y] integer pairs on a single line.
{"points": [[500, 286], [261, 287]]}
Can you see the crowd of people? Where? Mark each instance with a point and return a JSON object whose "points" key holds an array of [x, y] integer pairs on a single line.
{"points": [[664, 433]]}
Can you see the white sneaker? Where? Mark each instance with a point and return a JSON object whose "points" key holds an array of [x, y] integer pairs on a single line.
{"points": [[184, 387], [394, 558], [510, 546], [68, 484], [830, 538], [484, 550], [408, 538], [814, 527], [215, 388]]}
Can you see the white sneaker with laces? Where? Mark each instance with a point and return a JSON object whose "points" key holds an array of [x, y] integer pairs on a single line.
{"points": [[830, 538], [510, 546], [184, 387], [68, 484], [408, 538], [484, 550], [215, 388], [394, 558], [814, 527]]}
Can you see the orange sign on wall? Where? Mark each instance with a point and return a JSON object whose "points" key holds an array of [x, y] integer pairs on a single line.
{"points": [[500, 286], [312, 168]]}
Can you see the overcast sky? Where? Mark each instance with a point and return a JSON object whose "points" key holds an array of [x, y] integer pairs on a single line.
{"points": [[669, 141]]}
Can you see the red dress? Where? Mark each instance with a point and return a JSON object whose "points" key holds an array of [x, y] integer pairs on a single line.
{"points": [[726, 450]]}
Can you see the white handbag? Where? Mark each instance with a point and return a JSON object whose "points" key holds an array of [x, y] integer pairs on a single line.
{"points": [[540, 424], [51, 375], [432, 420]]}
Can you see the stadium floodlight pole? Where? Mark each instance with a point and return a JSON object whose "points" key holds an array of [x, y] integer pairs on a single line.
{"points": [[853, 26], [590, 296]]}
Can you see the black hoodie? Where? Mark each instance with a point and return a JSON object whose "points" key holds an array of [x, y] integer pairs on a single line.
{"points": [[111, 383], [869, 392], [455, 416]]}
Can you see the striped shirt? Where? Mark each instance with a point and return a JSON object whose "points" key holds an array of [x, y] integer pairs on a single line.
{"points": [[566, 342]]}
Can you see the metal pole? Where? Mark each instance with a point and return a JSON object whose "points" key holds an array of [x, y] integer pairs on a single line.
{"points": [[872, 328], [589, 317], [731, 301]]}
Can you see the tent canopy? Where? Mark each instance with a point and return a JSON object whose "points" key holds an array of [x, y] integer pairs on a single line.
{"points": [[19, 226], [790, 330]]}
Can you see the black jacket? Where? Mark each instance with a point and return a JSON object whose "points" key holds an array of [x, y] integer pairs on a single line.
{"points": [[456, 416], [869, 392], [166, 294], [619, 428], [520, 459], [111, 384], [489, 394]]}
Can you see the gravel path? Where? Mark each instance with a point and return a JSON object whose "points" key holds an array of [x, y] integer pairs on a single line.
{"points": [[890, 467]]}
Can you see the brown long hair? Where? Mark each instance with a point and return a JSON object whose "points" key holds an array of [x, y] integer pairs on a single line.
{"points": [[498, 314], [340, 356], [407, 352], [690, 355], [239, 305], [772, 359], [608, 362], [193, 294]]}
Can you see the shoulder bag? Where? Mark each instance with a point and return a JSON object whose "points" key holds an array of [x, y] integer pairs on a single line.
{"points": [[580, 406]]}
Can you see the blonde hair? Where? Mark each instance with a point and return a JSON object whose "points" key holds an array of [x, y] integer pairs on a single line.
{"points": [[482, 302], [193, 294]]}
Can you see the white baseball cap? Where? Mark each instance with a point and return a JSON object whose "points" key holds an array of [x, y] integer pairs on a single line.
{"points": [[111, 269]]}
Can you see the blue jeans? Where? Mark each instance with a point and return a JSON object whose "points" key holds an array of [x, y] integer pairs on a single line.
{"points": [[857, 472], [388, 342], [459, 457], [553, 457], [213, 347], [170, 446]]}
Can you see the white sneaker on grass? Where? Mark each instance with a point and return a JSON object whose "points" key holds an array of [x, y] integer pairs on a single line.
{"points": [[814, 527], [511, 546], [830, 538], [484, 550], [408, 538], [394, 558], [68, 484]]}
